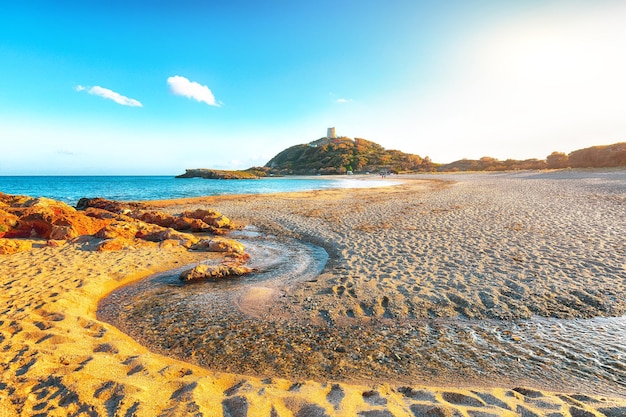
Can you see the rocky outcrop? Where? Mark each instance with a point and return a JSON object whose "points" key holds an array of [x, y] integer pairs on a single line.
{"points": [[195, 221], [155, 233], [210, 217], [119, 229], [111, 206], [44, 218], [119, 226], [217, 174]]}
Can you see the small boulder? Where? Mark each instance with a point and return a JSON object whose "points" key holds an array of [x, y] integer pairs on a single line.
{"points": [[196, 225], [114, 244], [63, 232], [156, 233], [155, 217], [102, 214], [108, 205], [210, 217], [118, 229], [203, 272], [219, 244]]}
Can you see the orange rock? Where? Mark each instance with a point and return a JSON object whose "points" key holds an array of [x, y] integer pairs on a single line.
{"points": [[155, 217], [195, 225], [202, 272], [156, 233], [174, 222], [13, 200], [118, 229], [114, 244], [120, 224], [117, 207], [219, 244], [38, 217], [210, 217], [7, 222], [169, 243], [197, 221], [100, 213], [63, 232]]}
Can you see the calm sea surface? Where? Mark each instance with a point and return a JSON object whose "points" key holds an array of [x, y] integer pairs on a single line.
{"points": [[70, 189]]}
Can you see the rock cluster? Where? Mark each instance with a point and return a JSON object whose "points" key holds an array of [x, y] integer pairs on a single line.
{"points": [[117, 225], [200, 220], [26, 217]]}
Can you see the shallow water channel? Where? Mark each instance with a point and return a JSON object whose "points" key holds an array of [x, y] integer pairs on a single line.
{"points": [[203, 323]]}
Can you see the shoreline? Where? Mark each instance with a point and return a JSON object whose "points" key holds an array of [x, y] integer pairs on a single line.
{"points": [[58, 359]]}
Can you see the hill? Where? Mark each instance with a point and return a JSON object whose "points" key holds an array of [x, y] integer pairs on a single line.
{"points": [[219, 174], [599, 156], [593, 157], [341, 155], [487, 163]]}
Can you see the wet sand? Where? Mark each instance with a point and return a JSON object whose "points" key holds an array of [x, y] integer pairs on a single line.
{"points": [[438, 252], [475, 279]]}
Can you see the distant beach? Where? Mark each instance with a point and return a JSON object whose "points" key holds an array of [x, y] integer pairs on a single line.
{"points": [[465, 294]]}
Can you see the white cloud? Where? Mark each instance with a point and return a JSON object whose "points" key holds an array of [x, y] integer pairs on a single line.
{"points": [[111, 95], [343, 100], [181, 86]]}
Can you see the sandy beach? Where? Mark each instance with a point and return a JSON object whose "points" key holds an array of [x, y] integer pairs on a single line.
{"points": [[495, 294]]}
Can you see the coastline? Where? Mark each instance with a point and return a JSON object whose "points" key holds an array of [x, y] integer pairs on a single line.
{"points": [[58, 359]]}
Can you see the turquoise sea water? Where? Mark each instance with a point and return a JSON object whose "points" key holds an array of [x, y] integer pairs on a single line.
{"points": [[70, 189]]}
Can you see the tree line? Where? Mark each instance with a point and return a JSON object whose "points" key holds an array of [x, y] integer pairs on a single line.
{"points": [[593, 157]]}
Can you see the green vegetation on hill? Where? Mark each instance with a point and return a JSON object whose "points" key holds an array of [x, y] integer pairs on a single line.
{"points": [[599, 156], [338, 156], [594, 157], [487, 163], [218, 174]]}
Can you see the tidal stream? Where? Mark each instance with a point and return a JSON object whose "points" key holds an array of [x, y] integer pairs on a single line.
{"points": [[208, 324]]}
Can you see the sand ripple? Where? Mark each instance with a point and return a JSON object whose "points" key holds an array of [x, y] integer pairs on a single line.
{"points": [[495, 279]]}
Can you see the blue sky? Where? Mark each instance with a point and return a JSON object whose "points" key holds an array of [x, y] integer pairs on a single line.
{"points": [[155, 87]]}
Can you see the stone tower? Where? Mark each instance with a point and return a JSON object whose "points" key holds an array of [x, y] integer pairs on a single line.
{"points": [[330, 133]]}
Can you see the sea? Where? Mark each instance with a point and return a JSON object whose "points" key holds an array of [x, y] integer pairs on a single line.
{"points": [[70, 189]]}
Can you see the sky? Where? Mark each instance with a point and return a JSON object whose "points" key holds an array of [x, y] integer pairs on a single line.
{"points": [[154, 87]]}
